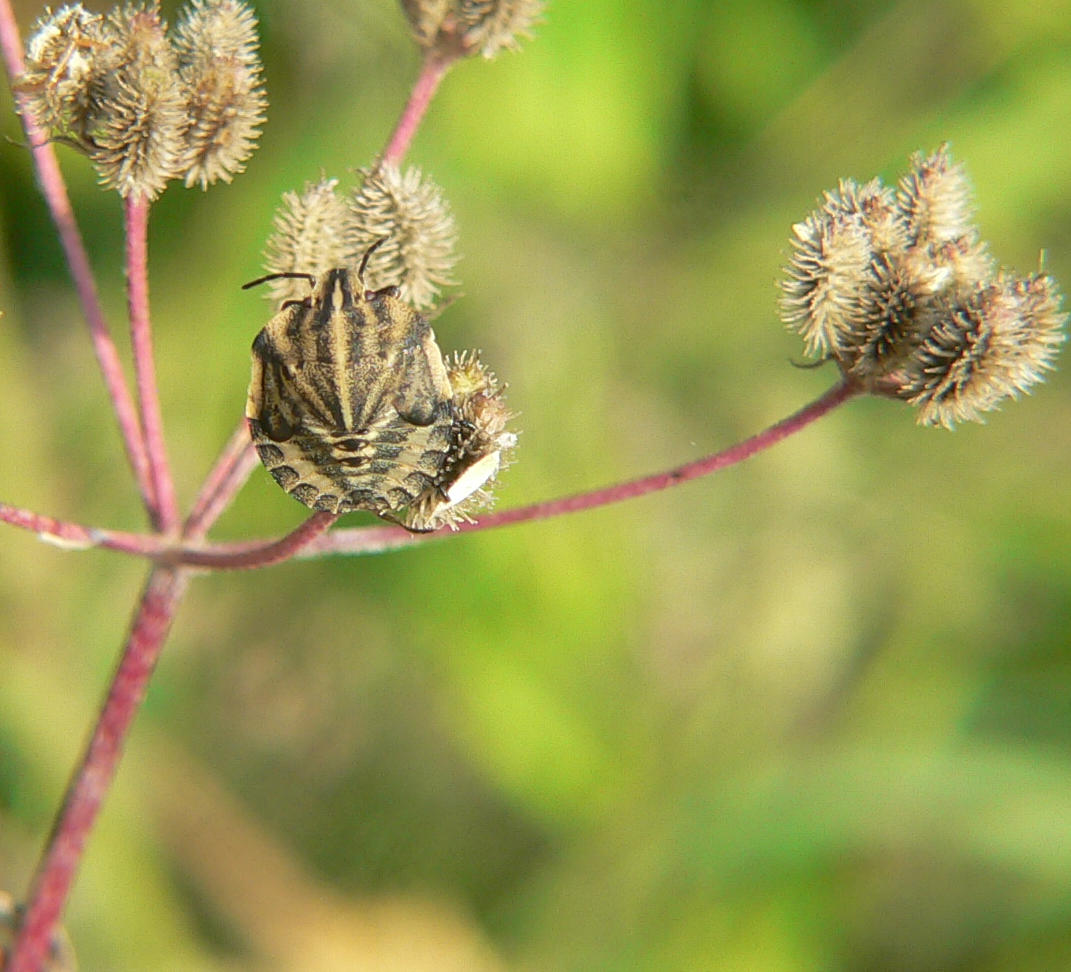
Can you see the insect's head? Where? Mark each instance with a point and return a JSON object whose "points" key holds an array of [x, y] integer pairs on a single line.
{"points": [[325, 283]]}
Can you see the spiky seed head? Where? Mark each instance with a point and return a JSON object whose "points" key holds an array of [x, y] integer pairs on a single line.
{"points": [[826, 284], [997, 345], [483, 448], [902, 293], [876, 205], [216, 43], [62, 65], [144, 107], [408, 212], [136, 130], [109, 86], [896, 311], [461, 28], [309, 237], [934, 198]]}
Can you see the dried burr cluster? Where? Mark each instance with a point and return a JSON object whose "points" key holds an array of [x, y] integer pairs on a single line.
{"points": [[461, 28], [146, 105], [899, 290]]}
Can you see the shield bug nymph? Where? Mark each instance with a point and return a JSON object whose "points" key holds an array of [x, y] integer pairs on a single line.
{"points": [[351, 407]]}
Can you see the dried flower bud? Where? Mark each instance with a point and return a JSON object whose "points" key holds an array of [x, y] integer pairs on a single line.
{"points": [[996, 346], [310, 237], [110, 87], [826, 289], [896, 311], [136, 131], [461, 28], [62, 68], [144, 109], [935, 198], [905, 297], [216, 43], [410, 215]]}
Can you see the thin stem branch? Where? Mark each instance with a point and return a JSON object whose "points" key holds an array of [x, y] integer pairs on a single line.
{"points": [[85, 794], [222, 556], [375, 540], [256, 554], [237, 460], [432, 71], [311, 538], [54, 191], [75, 536], [165, 509]]}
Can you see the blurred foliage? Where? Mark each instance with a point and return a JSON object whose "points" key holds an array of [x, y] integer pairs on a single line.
{"points": [[810, 714]]}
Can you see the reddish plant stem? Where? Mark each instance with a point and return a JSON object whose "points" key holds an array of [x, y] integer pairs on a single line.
{"points": [[164, 512], [228, 475], [376, 540], [226, 556], [432, 71], [59, 205], [836, 396], [85, 794], [75, 536], [248, 556], [311, 538]]}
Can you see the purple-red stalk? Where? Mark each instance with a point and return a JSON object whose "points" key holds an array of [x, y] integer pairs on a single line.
{"points": [[248, 556], [95, 772], [432, 71], [75, 536], [228, 475], [311, 538], [379, 539], [165, 515]]}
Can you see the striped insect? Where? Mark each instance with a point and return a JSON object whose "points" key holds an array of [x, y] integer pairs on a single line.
{"points": [[351, 408]]}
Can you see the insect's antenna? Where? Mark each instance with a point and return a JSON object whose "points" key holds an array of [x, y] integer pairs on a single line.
{"points": [[283, 275], [367, 253]]}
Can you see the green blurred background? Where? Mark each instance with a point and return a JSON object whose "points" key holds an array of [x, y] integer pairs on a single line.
{"points": [[813, 713]]}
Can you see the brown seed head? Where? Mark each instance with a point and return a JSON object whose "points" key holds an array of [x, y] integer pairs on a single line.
{"points": [[482, 448], [904, 296], [143, 107], [216, 43], [407, 211], [462, 28], [309, 237], [826, 286], [135, 129], [995, 346], [63, 67], [935, 198]]}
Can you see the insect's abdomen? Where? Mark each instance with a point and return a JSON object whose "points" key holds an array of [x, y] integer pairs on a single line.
{"points": [[383, 468]]}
